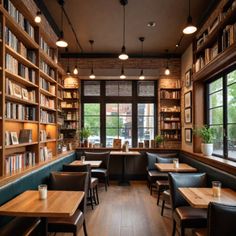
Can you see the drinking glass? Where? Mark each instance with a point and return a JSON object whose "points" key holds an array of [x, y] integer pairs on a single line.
{"points": [[216, 188], [176, 163], [82, 158], [42, 188]]}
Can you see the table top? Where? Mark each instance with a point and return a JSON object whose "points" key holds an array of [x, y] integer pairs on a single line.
{"points": [[201, 197], [120, 153], [57, 204], [92, 163], [169, 167]]}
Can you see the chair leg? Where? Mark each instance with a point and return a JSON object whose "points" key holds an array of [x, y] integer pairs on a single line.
{"points": [[182, 233], [108, 180], [85, 229], [162, 207], [158, 196], [96, 190], [106, 183], [91, 197], [174, 228], [150, 189], [94, 197]]}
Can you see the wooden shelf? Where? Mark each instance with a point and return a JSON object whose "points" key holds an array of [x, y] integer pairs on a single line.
{"points": [[47, 59], [71, 120], [69, 108], [21, 121], [170, 89], [170, 129], [71, 99], [18, 100], [47, 108], [20, 145], [171, 99], [60, 86], [67, 129], [59, 98], [170, 121], [169, 112], [48, 141], [47, 93], [47, 77], [43, 123], [70, 88], [171, 140]]}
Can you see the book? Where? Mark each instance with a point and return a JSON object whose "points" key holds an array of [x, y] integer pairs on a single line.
{"points": [[25, 136]]}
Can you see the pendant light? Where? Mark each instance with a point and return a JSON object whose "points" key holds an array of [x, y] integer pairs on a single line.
{"points": [[141, 76], [167, 70], [61, 42], [68, 62], [37, 18], [190, 28], [122, 75], [123, 55], [75, 71], [92, 75]]}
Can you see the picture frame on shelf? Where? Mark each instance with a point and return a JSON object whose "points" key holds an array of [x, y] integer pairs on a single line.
{"points": [[188, 135], [25, 94], [17, 92], [14, 138], [188, 78], [188, 115], [188, 99]]}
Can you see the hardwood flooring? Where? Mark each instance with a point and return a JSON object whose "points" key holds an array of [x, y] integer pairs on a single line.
{"points": [[127, 211]]}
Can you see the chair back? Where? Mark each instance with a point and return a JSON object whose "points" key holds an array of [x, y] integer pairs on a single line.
{"points": [[99, 156], [70, 181], [78, 168], [151, 160], [165, 159], [221, 220], [177, 180]]}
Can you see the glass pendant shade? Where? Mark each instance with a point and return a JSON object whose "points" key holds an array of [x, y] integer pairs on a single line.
{"points": [[167, 71], [61, 42], [123, 55], [92, 75], [141, 77], [75, 71], [37, 18]]}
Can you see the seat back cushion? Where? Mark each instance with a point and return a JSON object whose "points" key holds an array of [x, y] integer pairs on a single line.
{"points": [[102, 156]]}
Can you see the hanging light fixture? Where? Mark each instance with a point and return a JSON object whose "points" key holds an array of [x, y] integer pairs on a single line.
{"points": [[141, 76], [37, 18], [92, 75], [167, 70], [123, 55], [68, 62], [61, 42], [75, 71], [122, 75], [190, 28]]}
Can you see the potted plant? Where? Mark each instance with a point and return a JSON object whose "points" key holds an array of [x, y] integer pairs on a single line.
{"points": [[84, 135], [158, 140], [207, 135]]}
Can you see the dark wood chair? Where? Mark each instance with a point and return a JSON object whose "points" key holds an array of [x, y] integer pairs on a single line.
{"points": [[184, 215], [73, 181], [165, 199], [93, 182], [220, 221], [102, 172]]}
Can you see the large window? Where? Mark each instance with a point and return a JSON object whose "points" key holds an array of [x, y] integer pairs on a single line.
{"points": [[222, 114], [119, 109]]}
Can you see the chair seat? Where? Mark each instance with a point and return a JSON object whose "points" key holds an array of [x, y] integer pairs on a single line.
{"points": [[66, 224], [200, 232], [99, 172], [190, 217], [166, 196], [94, 182], [162, 184], [20, 226]]}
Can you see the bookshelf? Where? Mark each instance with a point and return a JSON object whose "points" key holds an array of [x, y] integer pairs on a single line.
{"points": [[31, 92]]}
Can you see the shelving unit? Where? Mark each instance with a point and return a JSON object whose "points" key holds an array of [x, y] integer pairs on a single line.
{"points": [[31, 91]]}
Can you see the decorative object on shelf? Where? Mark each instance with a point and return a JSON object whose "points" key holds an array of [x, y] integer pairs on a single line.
{"points": [[207, 135], [188, 135], [188, 115], [188, 99], [146, 144], [116, 143], [84, 135], [190, 28], [140, 144], [123, 55], [153, 142], [125, 146], [92, 75], [188, 78], [25, 136], [14, 138], [159, 140], [141, 77]]}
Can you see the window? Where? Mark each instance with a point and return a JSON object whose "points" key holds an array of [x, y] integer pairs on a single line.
{"points": [[222, 114], [119, 109]]}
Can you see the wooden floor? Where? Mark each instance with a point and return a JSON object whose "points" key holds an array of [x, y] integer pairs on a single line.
{"points": [[127, 211]]}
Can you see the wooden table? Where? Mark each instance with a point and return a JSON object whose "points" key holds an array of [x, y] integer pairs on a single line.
{"points": [[57, 204], [124, 181], [94, 164], [201, 197], [169, 167]]}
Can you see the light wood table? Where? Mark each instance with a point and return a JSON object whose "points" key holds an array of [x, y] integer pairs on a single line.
{"points": [[201, 197], [124, 181], [94, 164], [169, 167], [57, 204]]}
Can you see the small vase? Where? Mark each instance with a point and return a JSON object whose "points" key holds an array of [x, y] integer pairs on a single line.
{"points": [[85, 143], [207, 149]]}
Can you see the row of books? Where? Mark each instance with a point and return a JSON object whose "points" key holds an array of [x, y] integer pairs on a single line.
{"points": [[45, 154], [19, 18], [18, 46], [51, 52], [71, 116], [60, 93], [43, 135], [46, 101], [17, 90], [70, 125], [47, 69], [73, 95], [69, 104], [170, 94], [170, 118], [170, 109], [44, 84], [19, 111], [12, 138], [47, 117], [170, 125], [171, 134], [13, 66], [18, 161]]}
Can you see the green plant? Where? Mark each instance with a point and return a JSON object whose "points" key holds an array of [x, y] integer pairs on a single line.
{"points": [[85, 133], [158, 139], [206, 133]]}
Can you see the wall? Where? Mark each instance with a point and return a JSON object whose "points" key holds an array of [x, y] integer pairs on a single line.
{"points": [[186, 64]]}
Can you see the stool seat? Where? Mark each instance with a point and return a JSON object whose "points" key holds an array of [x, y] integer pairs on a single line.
{"points": [[161, 185]]}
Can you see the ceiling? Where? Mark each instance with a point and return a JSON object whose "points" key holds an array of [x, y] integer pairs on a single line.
{"points": [[101, 20]]}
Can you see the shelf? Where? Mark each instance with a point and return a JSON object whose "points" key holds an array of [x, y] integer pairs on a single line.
{"points": [[47, 59], [71, 99], [48, 141], [20, 145], [69, 108], [43, 123], [169, 112], [20, 58], [47, 93], [47, 77], [170, 121], [70, 88], [59, 98], [170, 89], [47, 108], [67, 129], [60, 85], [71, 120], [21, 121], [170, 129], [20, 79], [170, 99], [19, 100], [171, 139]]}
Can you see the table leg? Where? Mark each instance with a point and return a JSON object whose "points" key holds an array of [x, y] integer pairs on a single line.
{"points": [[124, 181], [44, 226]]}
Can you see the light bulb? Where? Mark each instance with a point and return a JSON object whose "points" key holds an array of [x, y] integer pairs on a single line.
{"points": [[123, 55], [122, 76], [190, 28], [141, 77], [167, 71], [61, 42], [92, 76], [37, 18], [75, 71]]}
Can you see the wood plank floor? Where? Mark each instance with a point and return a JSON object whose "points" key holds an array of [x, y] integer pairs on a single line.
{"points": [[127, 211]]}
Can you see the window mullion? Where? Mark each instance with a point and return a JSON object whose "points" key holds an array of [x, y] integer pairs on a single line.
{"points": [[225, 116]]}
